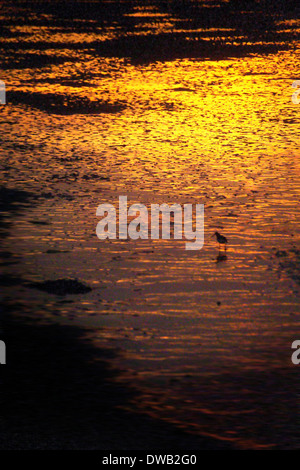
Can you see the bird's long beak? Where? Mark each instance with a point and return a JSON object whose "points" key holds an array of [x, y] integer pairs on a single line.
{"points": [[211, 236]]}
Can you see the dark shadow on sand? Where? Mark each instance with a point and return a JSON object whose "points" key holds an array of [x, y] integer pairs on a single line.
{"points": [[59, 393]]}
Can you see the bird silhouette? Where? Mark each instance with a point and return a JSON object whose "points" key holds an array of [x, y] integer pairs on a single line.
{"points": [[221, 240]]}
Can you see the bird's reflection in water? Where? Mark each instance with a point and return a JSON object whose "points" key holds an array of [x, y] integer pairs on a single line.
{"points": [[221, 257]]}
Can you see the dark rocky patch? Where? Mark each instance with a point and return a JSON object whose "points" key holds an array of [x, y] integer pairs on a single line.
{"points": [[63, 104], [38, 222], [61, 287]]}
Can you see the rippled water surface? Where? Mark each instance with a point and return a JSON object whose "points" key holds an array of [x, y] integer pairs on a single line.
{"points": [[206, 337]]}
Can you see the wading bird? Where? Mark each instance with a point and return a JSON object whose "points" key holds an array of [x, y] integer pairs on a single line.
{"points": [[221, 240]]}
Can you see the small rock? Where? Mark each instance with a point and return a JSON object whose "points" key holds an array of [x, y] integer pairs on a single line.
{"points": [[61, 287]]}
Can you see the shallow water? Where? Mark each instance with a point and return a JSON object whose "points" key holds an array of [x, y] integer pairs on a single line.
{"points": [[207, 339]]}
